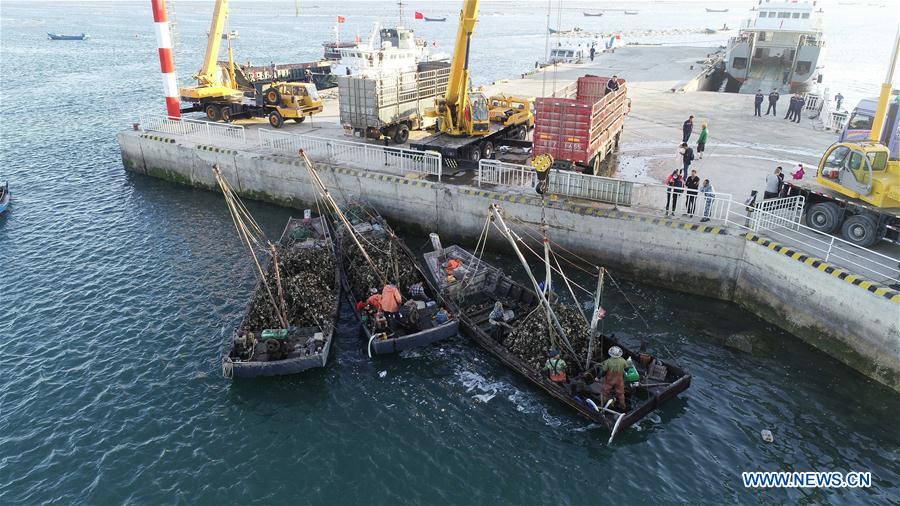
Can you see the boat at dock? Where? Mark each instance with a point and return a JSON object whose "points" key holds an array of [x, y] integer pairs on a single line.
{"points": [[5, 196], [631, 13], [387, 51], [592, 14], [309, 273], [716, 10], [779, 47], [472, 292], [437, 20], [57, 36], [423, 318]]}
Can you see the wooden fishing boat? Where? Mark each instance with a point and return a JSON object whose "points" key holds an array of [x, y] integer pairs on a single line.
{"points": [[472, 295], [438, 20], [592, 14], [4, 196], [58, 36], [419, 322], [277, 352], [716, 10]]}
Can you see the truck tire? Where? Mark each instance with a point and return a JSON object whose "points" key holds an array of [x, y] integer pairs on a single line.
{"points": [[475, 154], [227, 116], [520, 133], [861, 230], [276, 119], [299, 119], [213, 112], [401, 134], [823, 217], [487, 150], [272, 96]]}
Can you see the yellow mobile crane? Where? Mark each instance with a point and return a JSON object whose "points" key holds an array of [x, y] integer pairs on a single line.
{"points": [[857, 188], [464, 130], [223, 92]]}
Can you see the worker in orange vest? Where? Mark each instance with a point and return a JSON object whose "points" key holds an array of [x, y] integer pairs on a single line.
{"points": [[556, 367], [391, 300], [374, 299]]}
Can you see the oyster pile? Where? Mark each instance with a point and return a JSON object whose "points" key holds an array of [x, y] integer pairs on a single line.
{"points": [[386, 254], [530, 340], [307, 279]]}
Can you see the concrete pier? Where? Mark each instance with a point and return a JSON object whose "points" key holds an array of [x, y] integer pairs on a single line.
{"points": [[836, 310]]}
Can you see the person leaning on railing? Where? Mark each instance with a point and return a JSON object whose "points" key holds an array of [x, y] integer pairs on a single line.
{"points": [[709, 193]]}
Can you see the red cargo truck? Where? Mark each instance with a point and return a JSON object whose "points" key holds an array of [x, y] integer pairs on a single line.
{"points": [[581, 125]]}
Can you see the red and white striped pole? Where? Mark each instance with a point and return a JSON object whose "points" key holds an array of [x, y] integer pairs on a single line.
{"points": [[166, 60]]}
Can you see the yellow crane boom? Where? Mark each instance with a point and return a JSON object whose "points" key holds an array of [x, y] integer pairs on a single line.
{"points": [[209, 72], [459, 113]]}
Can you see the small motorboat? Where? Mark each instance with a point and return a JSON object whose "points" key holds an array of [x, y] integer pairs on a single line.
{"points": [[423, 317], [436, 20], [58, 36], [472, 295], [710, 31], [716, 10], [592, 14], [631, 13], [260, 347], [4, 196]]}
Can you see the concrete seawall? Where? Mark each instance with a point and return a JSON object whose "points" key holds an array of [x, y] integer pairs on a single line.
{"points": [[852, 323]]}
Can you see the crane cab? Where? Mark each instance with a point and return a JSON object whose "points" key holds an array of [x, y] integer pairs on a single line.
{"points": [[862, 171]]}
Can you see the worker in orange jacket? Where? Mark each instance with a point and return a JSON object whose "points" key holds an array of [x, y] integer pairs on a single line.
{"points": [[391, 300]]}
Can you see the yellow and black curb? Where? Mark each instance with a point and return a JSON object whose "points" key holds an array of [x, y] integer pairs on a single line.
{"points": [[823, 266], [167, 140], [214, 149], [591, 211]]}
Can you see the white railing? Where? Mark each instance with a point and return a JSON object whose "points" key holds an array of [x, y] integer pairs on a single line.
{"points": [[784, 212], [204, 130], [356, 154], [792, 234], [562, 182], [681, 201]]}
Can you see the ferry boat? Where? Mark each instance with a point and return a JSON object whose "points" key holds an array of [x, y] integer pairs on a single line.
{"points": [[388, 50], [778, 47]]}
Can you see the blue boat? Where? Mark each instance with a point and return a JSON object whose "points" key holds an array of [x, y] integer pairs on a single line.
{"points": [[4, 196], [57, 36]]}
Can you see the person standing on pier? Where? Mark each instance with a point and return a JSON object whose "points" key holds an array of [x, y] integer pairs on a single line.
{"points": [[708, 193], [693, 184], [687, 128], [686, 158], [593, 52], [757, 103], [675, 185], [801, 102], [701, 141], [839, 100], [773, 100], [773, 183], [792, 107]]}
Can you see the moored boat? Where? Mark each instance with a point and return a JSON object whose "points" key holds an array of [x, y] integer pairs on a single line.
{"points": [[58, 36], [439, 20], [716, 10], [592, 14], [473, 293], [4, 196], [309, 273], [422, 318], [631, 13]]}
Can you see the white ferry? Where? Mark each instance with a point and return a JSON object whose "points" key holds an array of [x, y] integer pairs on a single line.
{"points": [[778, 47], [398, 50]]}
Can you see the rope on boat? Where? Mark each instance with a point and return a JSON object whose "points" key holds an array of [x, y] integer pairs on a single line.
{"points": [[369, 345]]}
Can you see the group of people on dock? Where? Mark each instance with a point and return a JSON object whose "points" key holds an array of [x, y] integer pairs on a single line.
{"points": [[794, 108], [686, 180]]}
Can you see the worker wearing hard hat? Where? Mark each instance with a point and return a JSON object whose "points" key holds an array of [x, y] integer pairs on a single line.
{"points": [[614, 367]]}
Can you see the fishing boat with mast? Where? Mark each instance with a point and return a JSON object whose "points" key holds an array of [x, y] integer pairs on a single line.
{"points": [[480, 293], [288, 326], [397, 305]]}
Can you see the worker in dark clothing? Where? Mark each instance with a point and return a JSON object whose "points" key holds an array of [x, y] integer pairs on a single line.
{"points": [[792, 105], [693, 184], [773, 99], [675, 186], [614, 379], [593, 52], [801, 102], [785, 76], [612, 85], [687, 128], [498, 323], [757, 103], [839, 99], [686, 159]]}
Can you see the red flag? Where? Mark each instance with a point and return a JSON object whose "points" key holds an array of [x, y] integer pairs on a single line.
{"points": [[419, 15], [341, 19]]}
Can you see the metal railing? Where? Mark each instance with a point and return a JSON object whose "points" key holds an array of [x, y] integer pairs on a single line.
{"points": [[793, 234], [356, 154], [198, 129], [783, 212], [562, 182]]}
